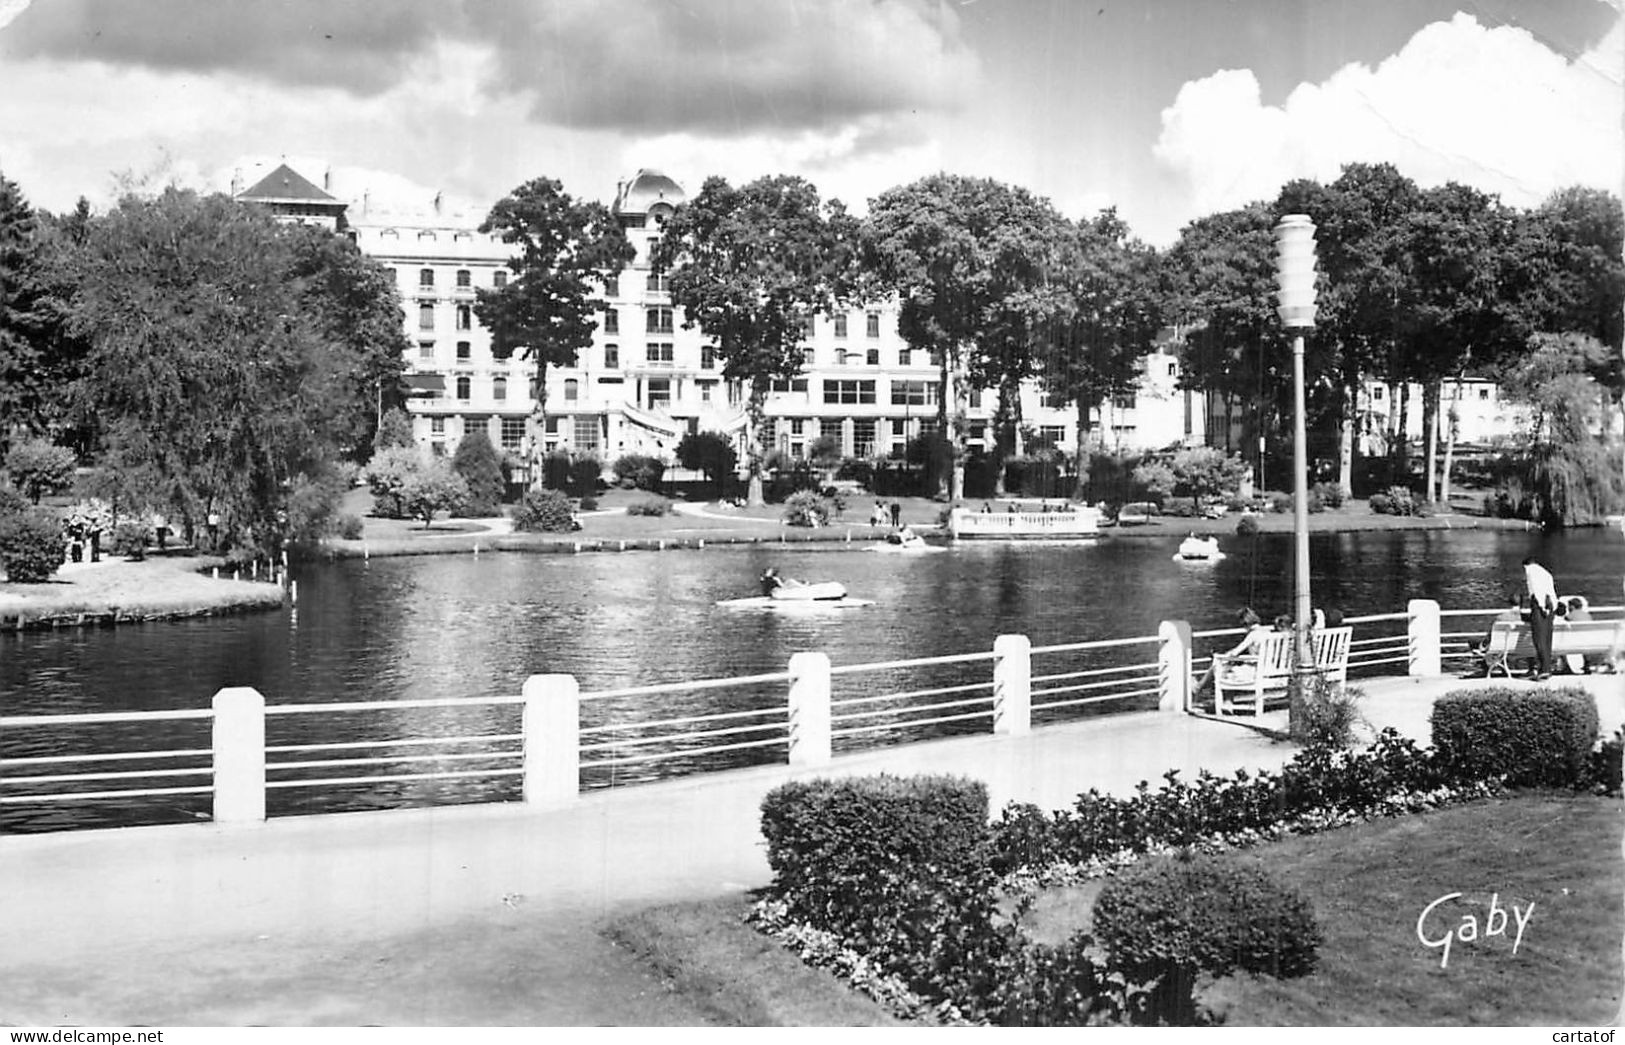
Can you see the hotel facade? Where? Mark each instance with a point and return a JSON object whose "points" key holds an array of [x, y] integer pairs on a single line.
{"points": [[646, 380]]}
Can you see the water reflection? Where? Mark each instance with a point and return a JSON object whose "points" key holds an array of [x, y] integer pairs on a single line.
{"points": [[462, 627]]}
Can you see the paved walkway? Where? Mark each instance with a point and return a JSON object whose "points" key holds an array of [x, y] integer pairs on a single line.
{"points": [[390, 918]]}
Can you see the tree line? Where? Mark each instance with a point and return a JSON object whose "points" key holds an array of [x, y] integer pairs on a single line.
{"points": [[213, 361]]}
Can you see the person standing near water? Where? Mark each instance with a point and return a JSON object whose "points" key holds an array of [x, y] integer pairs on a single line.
{"points": [[1537, 581]]}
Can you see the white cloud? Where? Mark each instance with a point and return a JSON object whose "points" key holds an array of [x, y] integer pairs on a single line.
{"points": [[1489, 107]]}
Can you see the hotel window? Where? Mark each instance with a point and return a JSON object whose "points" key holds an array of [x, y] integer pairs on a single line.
{"points": [[849, 391], [1124, 401], [1376, 393], [499, 278], [657, 321], [708, 357], [465, 351], [1054, 435], [437, 426], [425, 316], [707, 388], [913, 393], [976, 399], [499, 388], [905, 357], [832, 428], [657, 352], [612, 357], [808, 328], [872, 357], [465, 317], [464, 386], [659, 392], [572, 389], [871, 324], [425, 349], [1173, 369], [612, 286], [585, 432], [863, 436], [657, 283], [513, 432], [1483, 393], [425, 277], [612, 321], [426, 236], [840, 325], [797, 384], [465, 279]]}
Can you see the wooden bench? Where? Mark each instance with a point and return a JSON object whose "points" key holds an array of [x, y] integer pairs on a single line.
{"points": [[1269, 668], [1510, 641]]}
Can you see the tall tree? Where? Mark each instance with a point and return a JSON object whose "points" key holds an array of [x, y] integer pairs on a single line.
{"points": [[546, 311], [24, 381], [751, 266], [1109, 315], [959, 253], [211, 356], [354, 308]]}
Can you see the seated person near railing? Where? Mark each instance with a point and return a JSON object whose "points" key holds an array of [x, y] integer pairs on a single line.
{"points": [[1256, 630], [1513, 614]]}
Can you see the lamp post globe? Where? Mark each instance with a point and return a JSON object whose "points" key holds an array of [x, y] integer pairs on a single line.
{"points": [[1295, 304]]}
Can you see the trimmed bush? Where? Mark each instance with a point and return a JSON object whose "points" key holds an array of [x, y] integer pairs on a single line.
{"points": [[1533, 738], [544, 511], [477, 462], [31, 547], [1173, 917], [1246, 526], [1330, 495], [848, 855], [654, 506], [589, 504], [349, 526], [130, 539], [12, 502], [639, 471], [585, 474], [807, 508]]}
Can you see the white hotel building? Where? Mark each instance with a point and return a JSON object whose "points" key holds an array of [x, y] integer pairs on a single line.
{"points": [[646, 381]]}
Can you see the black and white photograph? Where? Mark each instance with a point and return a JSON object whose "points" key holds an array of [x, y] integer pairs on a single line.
{"points": [[589, 515]]}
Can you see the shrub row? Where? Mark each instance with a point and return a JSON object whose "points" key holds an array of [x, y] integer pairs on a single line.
{"points": [[1532, 739]]}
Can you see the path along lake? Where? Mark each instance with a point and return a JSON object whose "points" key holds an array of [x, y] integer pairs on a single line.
{"points": [[463, 626]]}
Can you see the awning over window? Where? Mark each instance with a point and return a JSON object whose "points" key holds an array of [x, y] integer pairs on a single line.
{"points": [[423, 384]]}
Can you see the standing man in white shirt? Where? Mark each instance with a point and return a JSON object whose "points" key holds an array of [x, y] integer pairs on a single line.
{"points": [[1542, 604]]}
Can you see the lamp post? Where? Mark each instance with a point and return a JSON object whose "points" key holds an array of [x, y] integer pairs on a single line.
{"points": [[1295, 278]]}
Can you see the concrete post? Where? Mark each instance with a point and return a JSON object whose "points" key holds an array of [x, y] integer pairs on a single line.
{"points": [[809, 709], [239, 756], [552, 744], [1174, 666], [1012, 685], [1423, 637]]}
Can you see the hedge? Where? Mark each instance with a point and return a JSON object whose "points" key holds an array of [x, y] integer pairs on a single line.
{"points": [[1533, 738]]}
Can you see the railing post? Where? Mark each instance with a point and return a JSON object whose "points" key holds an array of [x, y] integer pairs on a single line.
{"points": [[239, 756], [809, 709], [1422, 645], [1174, 665], [552, 744], [1012, 685]]}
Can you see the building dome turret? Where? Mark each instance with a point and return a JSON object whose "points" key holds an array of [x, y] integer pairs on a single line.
{"points": [[649, 192]]}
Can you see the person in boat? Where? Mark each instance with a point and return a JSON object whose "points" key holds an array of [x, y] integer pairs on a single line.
{"points": [[770, 581], [906, 535]]}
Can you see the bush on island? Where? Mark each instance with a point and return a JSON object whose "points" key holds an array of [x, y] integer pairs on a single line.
{"points": [[31, 545], [655, 506], [544, 511], [807, 508]]}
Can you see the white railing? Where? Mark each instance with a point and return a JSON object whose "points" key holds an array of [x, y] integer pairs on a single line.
{"points": [[538, 739]]}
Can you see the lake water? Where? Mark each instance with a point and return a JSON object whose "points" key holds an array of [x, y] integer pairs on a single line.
{"points": [[462, 626]]}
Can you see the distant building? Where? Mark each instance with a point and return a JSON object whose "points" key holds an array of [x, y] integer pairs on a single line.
{"points": [[645, 381]]}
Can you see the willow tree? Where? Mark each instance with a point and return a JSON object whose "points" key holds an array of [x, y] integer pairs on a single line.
{"points": [[546, 311], [750, 266]]}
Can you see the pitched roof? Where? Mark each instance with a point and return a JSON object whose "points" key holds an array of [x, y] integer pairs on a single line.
{"points": [[286, 185]]}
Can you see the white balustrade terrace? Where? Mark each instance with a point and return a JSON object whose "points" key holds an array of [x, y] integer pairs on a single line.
{"points": [[547, 753]]}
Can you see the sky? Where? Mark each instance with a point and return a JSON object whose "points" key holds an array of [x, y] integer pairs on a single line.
{"points": [[1165, 109]]}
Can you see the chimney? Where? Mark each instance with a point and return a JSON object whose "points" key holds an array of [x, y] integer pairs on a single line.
{"points": [[236, 181], [327, 179]]}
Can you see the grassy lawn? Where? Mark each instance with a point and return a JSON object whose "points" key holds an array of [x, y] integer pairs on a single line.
{"points": [[1368, 885]]}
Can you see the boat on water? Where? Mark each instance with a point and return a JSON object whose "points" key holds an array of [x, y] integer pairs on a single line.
{"points": [[1025, 520], [905, 540], [779, 592], [1198, 549]]}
